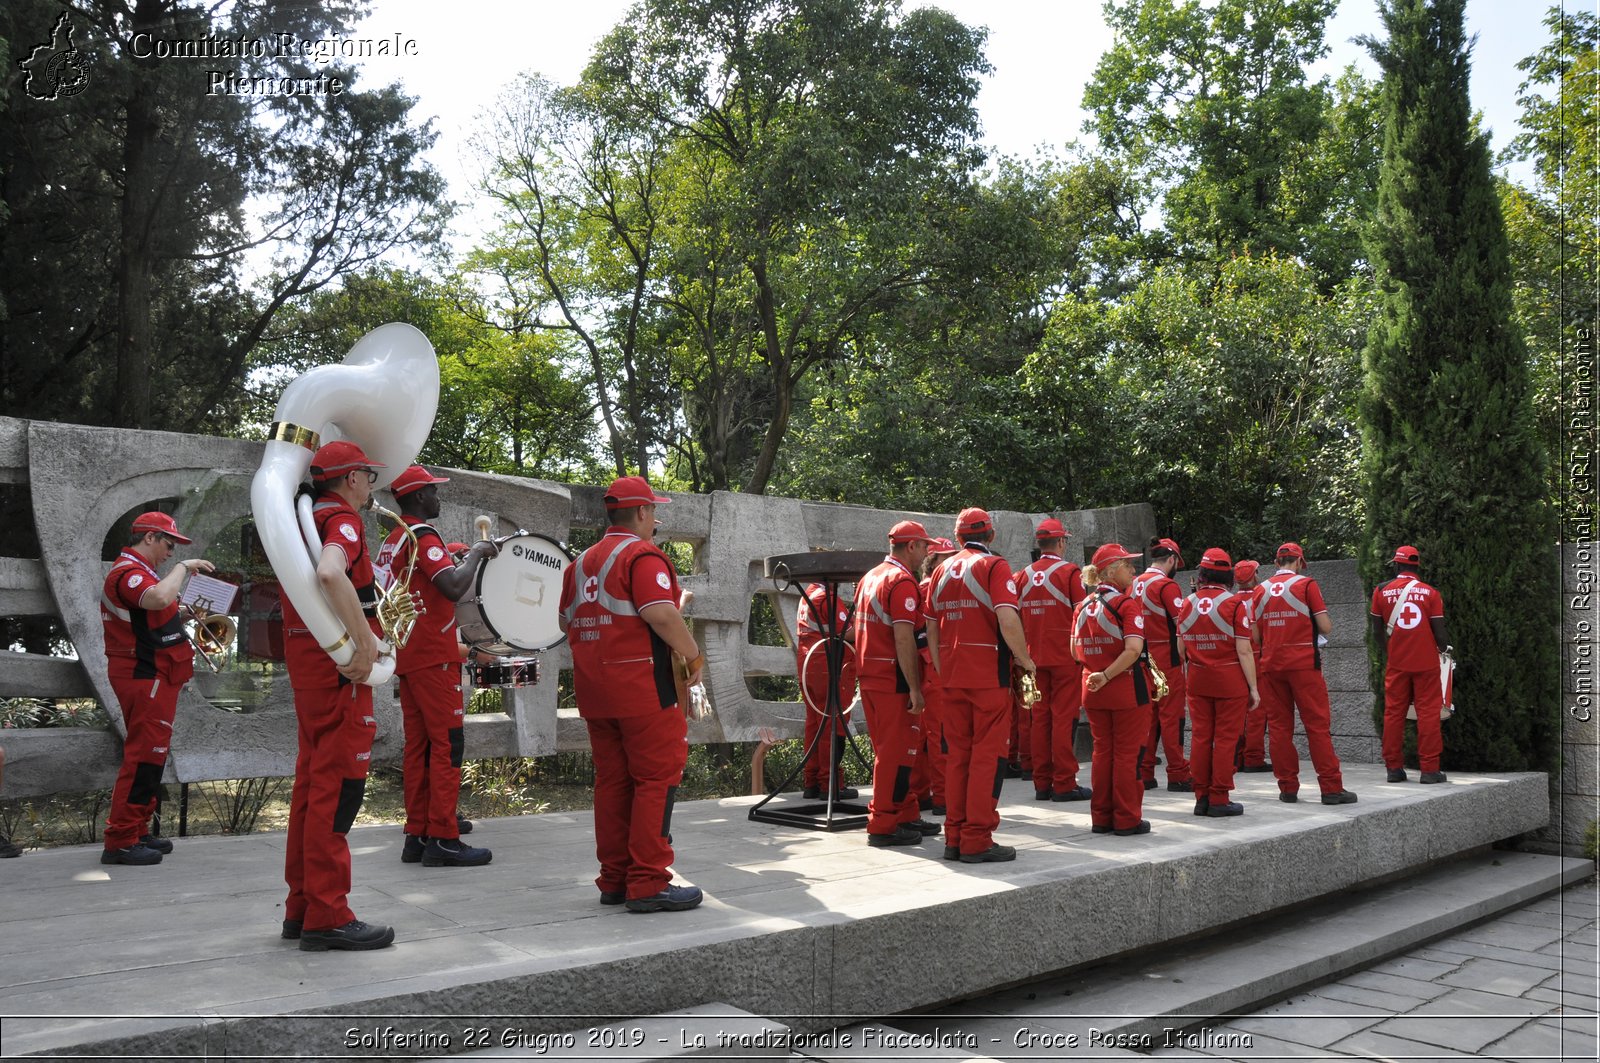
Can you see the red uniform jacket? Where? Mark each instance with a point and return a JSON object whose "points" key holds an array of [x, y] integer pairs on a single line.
{"points": [[1099, 627], [337, 525], [1048, 591], [1412, 647], [1208, 622], [969, 590], [886, 596], [433, 639], [1160, 597], [141, 643], [1286, 607], [620, 667], [812, 626]]}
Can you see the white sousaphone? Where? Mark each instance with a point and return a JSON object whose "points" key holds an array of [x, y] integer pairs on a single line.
{"points": [[383, 397]]}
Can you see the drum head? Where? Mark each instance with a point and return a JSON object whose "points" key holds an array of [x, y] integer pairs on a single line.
{"points": [[519, 592]]}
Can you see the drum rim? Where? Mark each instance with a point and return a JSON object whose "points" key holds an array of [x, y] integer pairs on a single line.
{"points": [[488, 622]]}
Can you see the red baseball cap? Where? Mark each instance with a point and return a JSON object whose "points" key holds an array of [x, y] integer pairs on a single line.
{"points": [[1050, 528], [155, 521], [415, 478], [1111, 552], [973, 519], [1216, 559], [339, 457], [1245, 570], [909, 531], [1172, 546], [628, 491], [943, 546], [1290, 550], [1407, 555]]}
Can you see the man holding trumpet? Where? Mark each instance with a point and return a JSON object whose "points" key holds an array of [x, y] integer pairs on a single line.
{"points": [[148, 659]]}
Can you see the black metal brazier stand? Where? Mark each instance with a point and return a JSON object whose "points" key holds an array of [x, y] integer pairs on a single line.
{"points": [[831, 568]]}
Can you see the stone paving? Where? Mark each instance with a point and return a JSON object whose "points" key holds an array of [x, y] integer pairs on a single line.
{"points": [[1522, 986]]}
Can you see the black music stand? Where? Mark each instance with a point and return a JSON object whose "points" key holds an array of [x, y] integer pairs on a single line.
{"points": [[829, 568]]}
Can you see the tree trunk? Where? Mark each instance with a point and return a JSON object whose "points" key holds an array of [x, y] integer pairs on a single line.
{"points": [[132, 400]]}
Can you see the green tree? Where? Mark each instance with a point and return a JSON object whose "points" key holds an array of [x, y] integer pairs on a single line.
{"points": [[1451, 460]]}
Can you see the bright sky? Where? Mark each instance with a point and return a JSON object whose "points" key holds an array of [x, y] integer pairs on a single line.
{"points": [[1043, 52]]}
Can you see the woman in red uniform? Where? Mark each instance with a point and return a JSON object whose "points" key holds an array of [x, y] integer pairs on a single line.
{"points": [[1213, 627], [1108, 639]]}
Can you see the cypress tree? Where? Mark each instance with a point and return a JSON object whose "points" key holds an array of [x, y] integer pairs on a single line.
{"points": [[1451, 458]]}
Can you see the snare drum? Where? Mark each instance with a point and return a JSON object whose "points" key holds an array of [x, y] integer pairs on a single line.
{"points": [[517, 602], [506, 672]]}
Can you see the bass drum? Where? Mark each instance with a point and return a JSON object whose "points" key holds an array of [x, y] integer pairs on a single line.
{"points": [[518, 598]]}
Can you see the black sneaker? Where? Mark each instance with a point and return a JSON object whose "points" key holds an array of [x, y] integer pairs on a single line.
{"points": [[1128, 832], [136, 854], [613, 897], [924, 804], [354, 936], [671, 899], [1025, 773], [1433, 777], [1288, 797], [1077, 793], [952, 852], [923, 827], [936, 810], [451, 852], [160, 845], [463, 825], [1230, 808], [292, 929], [1341, 797], [1184, 787], [1150, 784], [846, 793], [1100, 828], [1044, 795], [902, 836], [995, 854], [8, 848], [1396, 775], [411, 852], [1202, 806], [812, 793], [1256, 769]]}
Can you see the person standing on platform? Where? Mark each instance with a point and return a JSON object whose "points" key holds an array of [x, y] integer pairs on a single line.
{"points": [[1159, 595], [429, 669], [888, 608], [619, 610], [1408, 625], [1048, 591], [1108, 641], [1293, 623], [1214, 633], [333, 707], [148, 659], [929, 780], [1252, 755], [814, 626], [974, 636]]}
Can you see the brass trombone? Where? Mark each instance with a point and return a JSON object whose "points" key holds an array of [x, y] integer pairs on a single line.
{"points": [[211, 634]]}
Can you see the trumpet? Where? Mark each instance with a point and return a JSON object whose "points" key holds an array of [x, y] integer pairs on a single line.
{"points": [[1026, 689], [211, 634]]}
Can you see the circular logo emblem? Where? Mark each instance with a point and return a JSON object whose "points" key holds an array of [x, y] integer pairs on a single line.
{"points": [[1410, 616], [911, 606], [591, 589], [348, 532], [435, 553], [956, 568], [134, 581], [1138, 621], [1038, 579], [1275, 589], [1204, 605], [661, 578]]}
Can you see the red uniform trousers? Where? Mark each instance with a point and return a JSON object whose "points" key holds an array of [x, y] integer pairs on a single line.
{"points": [[638, 764], [1167, 717], [975, 729], [816, 698], [1252, 744], [1055, 764], [336, 728], [430, 702], [1400, 690], [1119, 736], [927, 777], [1019, 744], [148, 708], [1215, 723], [896, 742], [1281, 694]]}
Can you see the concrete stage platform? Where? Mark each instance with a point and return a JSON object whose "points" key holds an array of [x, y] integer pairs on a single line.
{"points": [[811, 929]]}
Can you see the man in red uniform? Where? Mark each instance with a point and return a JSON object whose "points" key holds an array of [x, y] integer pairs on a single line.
{"points": [[1411, 668], [148, 658], [814, 626], [1293, 623], [1214, 629], [1108, 640], [429, 667], [1252, 755], [1048, 591], [929, 778], [974, 635], [888, 609], [619, 610], [333, 707], [1159, 595]]}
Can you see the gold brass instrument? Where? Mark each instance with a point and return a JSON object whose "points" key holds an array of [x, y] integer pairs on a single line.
{"points": [[397, 607], [211, 634], [1025, 688], [1158, 682]]}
